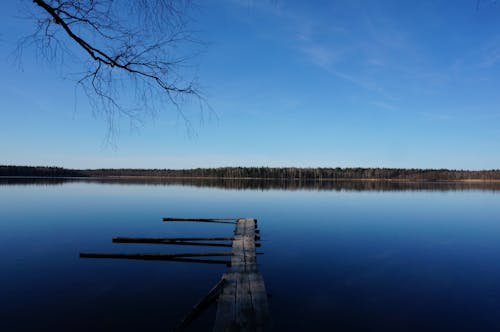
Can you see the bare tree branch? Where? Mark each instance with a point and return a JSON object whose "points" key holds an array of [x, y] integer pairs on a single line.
{"points": [[133, 49]]}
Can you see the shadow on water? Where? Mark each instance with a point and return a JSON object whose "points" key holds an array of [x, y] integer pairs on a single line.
{"points": [[263, 185]]}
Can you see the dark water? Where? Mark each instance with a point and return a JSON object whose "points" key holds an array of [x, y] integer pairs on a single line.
{"points": [[338, 256]]}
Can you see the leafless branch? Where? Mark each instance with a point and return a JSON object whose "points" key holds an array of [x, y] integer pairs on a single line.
{"points": [[132, 52]]}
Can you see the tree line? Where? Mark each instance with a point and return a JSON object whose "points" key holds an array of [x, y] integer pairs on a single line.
{"points": [[266, 173]]}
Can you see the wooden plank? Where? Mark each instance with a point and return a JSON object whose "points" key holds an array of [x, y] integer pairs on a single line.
{"points": [[198, 219], [180, 243], [243, 306], [215, 221], [121, 239], [259, 299]]}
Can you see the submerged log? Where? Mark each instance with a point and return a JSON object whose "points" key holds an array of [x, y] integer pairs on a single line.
{"points": [[202, 305]]}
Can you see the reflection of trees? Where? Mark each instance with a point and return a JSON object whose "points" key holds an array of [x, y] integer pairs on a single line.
{"points": [[33, 181], [246, 184]]}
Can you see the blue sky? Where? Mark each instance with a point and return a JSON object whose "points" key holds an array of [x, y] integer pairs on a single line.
{"points": [[291, 83]]}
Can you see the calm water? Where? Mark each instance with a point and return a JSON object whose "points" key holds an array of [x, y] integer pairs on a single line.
{"points": [[338, 257]]}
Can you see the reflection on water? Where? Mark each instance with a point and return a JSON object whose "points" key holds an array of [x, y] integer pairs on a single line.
{"points": [[252, 184]]}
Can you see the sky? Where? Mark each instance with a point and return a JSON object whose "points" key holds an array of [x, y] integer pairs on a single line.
{"points": [[413, 84]]}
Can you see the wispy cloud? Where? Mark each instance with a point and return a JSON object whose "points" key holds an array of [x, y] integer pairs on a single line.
{"points": [[489, 54], [381, 104], [436, 116], [380, 54], [325, 44], [321, 55], [340, 52]]}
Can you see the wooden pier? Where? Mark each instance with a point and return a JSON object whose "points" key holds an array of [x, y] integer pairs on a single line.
{"points": [[240, 295], [242, 306]]}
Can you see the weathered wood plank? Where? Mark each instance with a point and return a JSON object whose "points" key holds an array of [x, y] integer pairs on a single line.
{"points": [[171, 242], [213, 220], [121, 239], [202, 219], [259, 299], [243, 305]]}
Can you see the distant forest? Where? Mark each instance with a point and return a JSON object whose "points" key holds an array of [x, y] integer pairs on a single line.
{"points": [[265, 173]]}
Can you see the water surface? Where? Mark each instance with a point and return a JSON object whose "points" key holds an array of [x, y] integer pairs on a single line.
{"points": [[338, 256]]}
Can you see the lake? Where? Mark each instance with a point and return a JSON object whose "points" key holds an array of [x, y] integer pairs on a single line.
{"points": [[338, 256]]}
